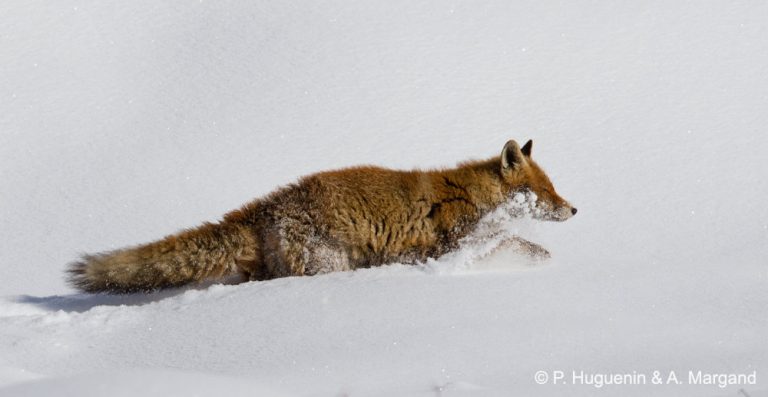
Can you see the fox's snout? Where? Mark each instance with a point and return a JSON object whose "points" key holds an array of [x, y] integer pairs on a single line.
{"points": [[561, 213], [554, 208]]}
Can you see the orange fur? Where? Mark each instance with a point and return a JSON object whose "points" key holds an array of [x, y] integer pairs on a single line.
{"points": [[331, 221]]}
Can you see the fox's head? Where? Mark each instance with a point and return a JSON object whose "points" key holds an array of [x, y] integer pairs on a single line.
{"points": [[522, 175]]}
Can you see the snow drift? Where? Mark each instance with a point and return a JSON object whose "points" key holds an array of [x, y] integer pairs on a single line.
{"points": [[123, 122]]}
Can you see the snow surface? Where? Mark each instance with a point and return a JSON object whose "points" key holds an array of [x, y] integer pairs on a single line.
{"points": [[121, 122]]}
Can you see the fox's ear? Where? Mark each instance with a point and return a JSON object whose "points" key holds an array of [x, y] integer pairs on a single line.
{"points": [[527, 148], [511, 155]]}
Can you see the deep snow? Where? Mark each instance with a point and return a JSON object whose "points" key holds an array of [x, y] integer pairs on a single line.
{"points": [[122, 122]]}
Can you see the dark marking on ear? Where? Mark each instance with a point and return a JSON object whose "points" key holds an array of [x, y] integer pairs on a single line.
{"points": [[527, 148], [511, 156]]}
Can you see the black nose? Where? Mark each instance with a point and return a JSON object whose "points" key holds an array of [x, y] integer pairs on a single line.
{"points": [[574, 211]]}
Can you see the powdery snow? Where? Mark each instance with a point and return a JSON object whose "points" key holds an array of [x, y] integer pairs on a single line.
{"points": [[121, 122]]}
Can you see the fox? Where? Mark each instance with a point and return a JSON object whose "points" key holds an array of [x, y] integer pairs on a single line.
{"points": [[339, 220]]}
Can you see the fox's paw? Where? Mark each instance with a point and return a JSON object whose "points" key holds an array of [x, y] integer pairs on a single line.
{"points": [[525, 247]]}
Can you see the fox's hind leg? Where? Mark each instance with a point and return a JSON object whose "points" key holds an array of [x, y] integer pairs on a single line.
{"points": [[295, 248], [284, 249], [325, 258], [251, 266], [252, 270]]}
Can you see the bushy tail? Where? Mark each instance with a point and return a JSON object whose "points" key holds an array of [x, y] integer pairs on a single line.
{"points": [[211, 250]]}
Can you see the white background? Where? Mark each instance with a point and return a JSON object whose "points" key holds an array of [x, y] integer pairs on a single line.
{"points": [[121, 122]]}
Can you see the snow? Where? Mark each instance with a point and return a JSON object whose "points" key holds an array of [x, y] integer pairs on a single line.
{"points": [[123, 122], [155, 382]]}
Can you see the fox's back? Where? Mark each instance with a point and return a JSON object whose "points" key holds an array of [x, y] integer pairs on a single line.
{"points": [[377, 214]]}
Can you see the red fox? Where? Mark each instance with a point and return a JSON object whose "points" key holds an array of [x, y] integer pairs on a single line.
{"points": [[333, 221]]}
